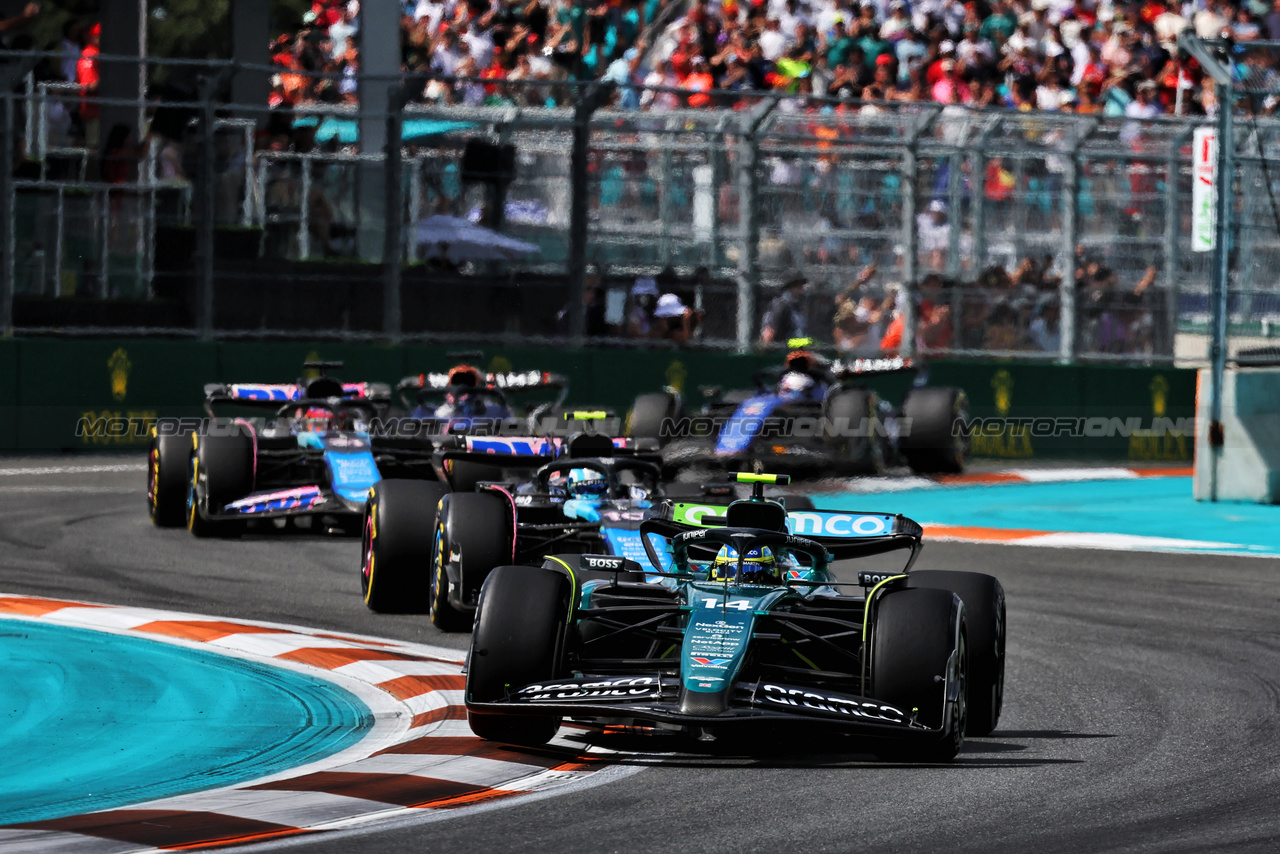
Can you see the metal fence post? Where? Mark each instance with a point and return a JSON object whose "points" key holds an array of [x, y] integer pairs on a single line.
{"points": [[580, 201], [304, 208], [749, 220], [955, 202], [1067, 325], [749, 233], [393, 249], [204, 213], [1171, 250], [979, 216], [1221, 274], [911, 233], [665, 179], [910, 249], [9, 202]]}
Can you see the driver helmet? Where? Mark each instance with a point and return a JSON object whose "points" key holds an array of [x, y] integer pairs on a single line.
{"points": [[800, 360], [795, 384], [317, 419], [758, 566], [587, 483], [465, 375]]}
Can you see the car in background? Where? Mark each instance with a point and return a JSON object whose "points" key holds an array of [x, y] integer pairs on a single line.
{"points": [[812, 416], [465, 399], [425, 549], [737, 622], [314, 455]]}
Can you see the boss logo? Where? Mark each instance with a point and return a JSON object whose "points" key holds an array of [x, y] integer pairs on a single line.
{"points": [[871, 579], [603, 562]]}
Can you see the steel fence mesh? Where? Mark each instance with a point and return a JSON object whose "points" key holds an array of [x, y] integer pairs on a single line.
{"points": [[1002, 218]]}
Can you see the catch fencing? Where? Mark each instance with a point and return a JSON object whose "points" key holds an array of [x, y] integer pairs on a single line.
{"points": [[1049, 236]]}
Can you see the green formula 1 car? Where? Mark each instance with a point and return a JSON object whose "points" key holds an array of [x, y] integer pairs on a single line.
{"points": [[738, 621]]}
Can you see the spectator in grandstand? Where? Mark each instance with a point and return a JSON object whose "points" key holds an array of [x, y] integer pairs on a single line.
{"points": [[785, 317], [644, 294], [1003, 328], [87, 77], [1043, 331], [934, 235], [674, 321], [595, 308]]}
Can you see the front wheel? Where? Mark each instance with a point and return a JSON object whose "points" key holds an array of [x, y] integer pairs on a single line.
{"points": [[518, 640], [223, 468], [985, 618], [919, 660], [473, 535], [168, 464]]}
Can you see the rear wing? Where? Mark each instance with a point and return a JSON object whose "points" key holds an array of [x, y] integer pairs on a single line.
{"points": [[509, 381], [274, 395], [497, 449], [844, 533]]}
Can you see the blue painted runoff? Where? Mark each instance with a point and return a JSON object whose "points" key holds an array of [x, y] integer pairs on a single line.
{"points": [[92, 720], [1149, 507]]}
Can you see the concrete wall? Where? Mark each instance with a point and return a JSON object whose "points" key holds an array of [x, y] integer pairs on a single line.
{"points": [[1247, 466]]}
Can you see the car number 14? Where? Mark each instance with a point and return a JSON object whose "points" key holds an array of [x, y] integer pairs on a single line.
{"points": [[736, 604]]}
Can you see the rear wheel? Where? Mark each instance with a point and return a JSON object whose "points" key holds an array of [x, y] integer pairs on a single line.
{"points": [[473, 535], [854, 412], [934, 444], [916, 633], [518, 641], [396, 544], [983, 599], [168, 465], [648, 414], [222, 471]]}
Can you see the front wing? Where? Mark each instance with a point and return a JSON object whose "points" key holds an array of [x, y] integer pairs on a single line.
{"points": [[655, 699], [275, 504]]}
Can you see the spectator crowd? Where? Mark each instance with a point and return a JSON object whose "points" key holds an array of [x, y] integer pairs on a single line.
{"points": [[1083, 56]]}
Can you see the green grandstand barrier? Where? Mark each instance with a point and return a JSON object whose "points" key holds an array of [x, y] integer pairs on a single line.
{"points": [[51, 387], [8, 393]]}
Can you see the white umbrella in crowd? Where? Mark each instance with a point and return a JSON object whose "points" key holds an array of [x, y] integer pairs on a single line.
{"points": [[458, 241]]}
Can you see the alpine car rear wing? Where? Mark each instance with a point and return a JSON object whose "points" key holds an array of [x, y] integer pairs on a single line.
{"points": [[274, 395]]}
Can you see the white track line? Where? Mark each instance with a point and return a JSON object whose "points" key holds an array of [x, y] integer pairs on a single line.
{"points": [[96, 469]]}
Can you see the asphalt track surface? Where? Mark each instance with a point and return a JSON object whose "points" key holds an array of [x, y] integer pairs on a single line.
{"points": [[1142, 711]]}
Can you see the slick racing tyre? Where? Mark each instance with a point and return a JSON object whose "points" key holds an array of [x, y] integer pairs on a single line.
{"points": [[984, 615], [168, 465], [649, 412], [518, 641], [464, 475], [397, 536], [934, 444], [916, 631], [222, 470], [854, 411], [473, 535]]}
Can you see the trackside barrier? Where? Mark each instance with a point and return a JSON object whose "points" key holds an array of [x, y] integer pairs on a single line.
{"points": [[102, 394], [1248, 461]]}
